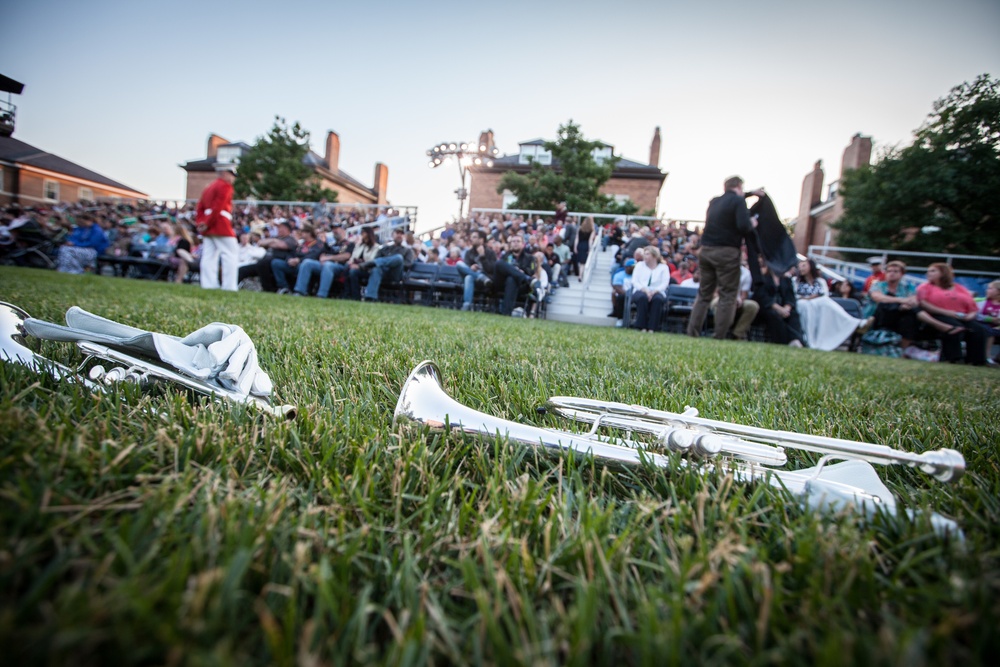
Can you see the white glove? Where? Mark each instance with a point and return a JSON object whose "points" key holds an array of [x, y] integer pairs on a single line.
{"points": [[219, 353]]}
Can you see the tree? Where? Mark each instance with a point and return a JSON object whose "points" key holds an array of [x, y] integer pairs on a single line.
{"points": [[273, 168], [941, 192], [575, 177]]}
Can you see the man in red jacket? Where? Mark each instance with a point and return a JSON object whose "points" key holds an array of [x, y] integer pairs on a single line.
{"points": [[214, 219]]}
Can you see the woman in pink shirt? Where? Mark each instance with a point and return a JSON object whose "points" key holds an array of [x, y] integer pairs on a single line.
{"points": [[951, 303]]}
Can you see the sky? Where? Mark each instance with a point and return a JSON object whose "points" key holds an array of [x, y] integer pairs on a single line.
{"points": [[133, 89]]}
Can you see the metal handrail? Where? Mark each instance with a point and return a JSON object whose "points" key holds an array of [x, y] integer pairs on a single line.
{"points": [[576, 214], [820, 251], [588, 268]]}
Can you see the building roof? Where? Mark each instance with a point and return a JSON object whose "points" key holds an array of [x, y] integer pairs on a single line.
{"points": [[625, 167], [311, 159], [315, 160], [12, 150]]}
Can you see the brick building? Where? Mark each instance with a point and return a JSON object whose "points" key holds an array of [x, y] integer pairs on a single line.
{"points": [[633, 181], [326, 168], [31, 176], [816, 214]]}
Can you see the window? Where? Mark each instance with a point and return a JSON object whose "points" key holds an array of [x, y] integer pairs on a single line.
{"points": [[532, 153], [621, 199], [51, 191], [832, 189], [602, 154], [86, 194], [228, 154], [509, 199]]}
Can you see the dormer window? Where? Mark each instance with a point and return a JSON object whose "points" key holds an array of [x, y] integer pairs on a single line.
{"points": [[534, 153], [602, 154], [229, 154]]}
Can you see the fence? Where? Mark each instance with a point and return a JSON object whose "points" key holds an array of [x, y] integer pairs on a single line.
{"points": [[831, 257]]}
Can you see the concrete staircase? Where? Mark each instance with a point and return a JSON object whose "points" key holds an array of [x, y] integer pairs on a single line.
{"points": [[596, 299]]}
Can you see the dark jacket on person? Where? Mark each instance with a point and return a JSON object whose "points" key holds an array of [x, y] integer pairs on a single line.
{"points": [[767, 293], [633, 244], [526, 262], [391, 249], [312, 252], [290, 242], [727, 221], [487, 261]]}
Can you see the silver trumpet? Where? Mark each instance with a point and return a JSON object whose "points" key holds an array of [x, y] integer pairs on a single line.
{"points": [[747, 451], [126, 369]]}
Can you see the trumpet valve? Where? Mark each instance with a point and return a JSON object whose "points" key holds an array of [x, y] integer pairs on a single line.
{"points": [[708, 445], [677, 439]]}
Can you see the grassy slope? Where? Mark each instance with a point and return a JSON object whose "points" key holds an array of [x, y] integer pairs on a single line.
{"points": [[213, 536]]}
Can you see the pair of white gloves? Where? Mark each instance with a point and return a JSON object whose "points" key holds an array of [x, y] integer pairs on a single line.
{"points": [[218, 353]]}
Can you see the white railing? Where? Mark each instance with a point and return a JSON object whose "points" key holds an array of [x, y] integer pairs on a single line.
{"points": [[588, 268], [825, 255], [575, 214]]}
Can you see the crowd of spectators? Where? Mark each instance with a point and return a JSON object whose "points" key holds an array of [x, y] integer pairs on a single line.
{"points": [[328, 250]]}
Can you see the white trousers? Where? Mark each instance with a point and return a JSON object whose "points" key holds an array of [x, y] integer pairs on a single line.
{"points": [[216, 250]]}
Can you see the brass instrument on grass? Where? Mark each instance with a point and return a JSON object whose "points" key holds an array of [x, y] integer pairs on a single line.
{"points": [[127, 368], [748, 451]]}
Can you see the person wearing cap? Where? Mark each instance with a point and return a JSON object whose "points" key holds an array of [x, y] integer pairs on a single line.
{"points": [[214, 221], [621, 285], [877, 274]]}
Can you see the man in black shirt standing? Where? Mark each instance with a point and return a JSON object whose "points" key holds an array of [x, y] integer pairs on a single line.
{"points": [[726, 223]]}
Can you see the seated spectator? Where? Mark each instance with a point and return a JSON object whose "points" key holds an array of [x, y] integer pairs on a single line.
{"points": [[80, 250], [514, 270], [844, 289], [952, 304], [390, 261], [894, 305], [635, 241], [621, 285], [694, 280], [825, 324], [364, 252], [433, 256], [540, 285], [682, 273], [746, 308], [454, 256], [650, 280], [776, 297], [478, 265], [555, 265], [329, 265], [565, 255], [989, 315], [287, 270], [876, 275], [281, 246], [249, 253], [182, 258]]}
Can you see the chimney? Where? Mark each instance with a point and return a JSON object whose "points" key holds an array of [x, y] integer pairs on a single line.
{"points": [[486, 139], [812, 194], [654, 149], [333, 151], [214, 141], [381, 182], [858, 154]]}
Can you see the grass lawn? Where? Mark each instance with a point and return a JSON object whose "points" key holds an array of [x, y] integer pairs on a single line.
{"points": [[147, 529]]}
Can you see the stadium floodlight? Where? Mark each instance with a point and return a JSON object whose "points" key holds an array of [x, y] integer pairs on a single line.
{"points": [[468, 155]]}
